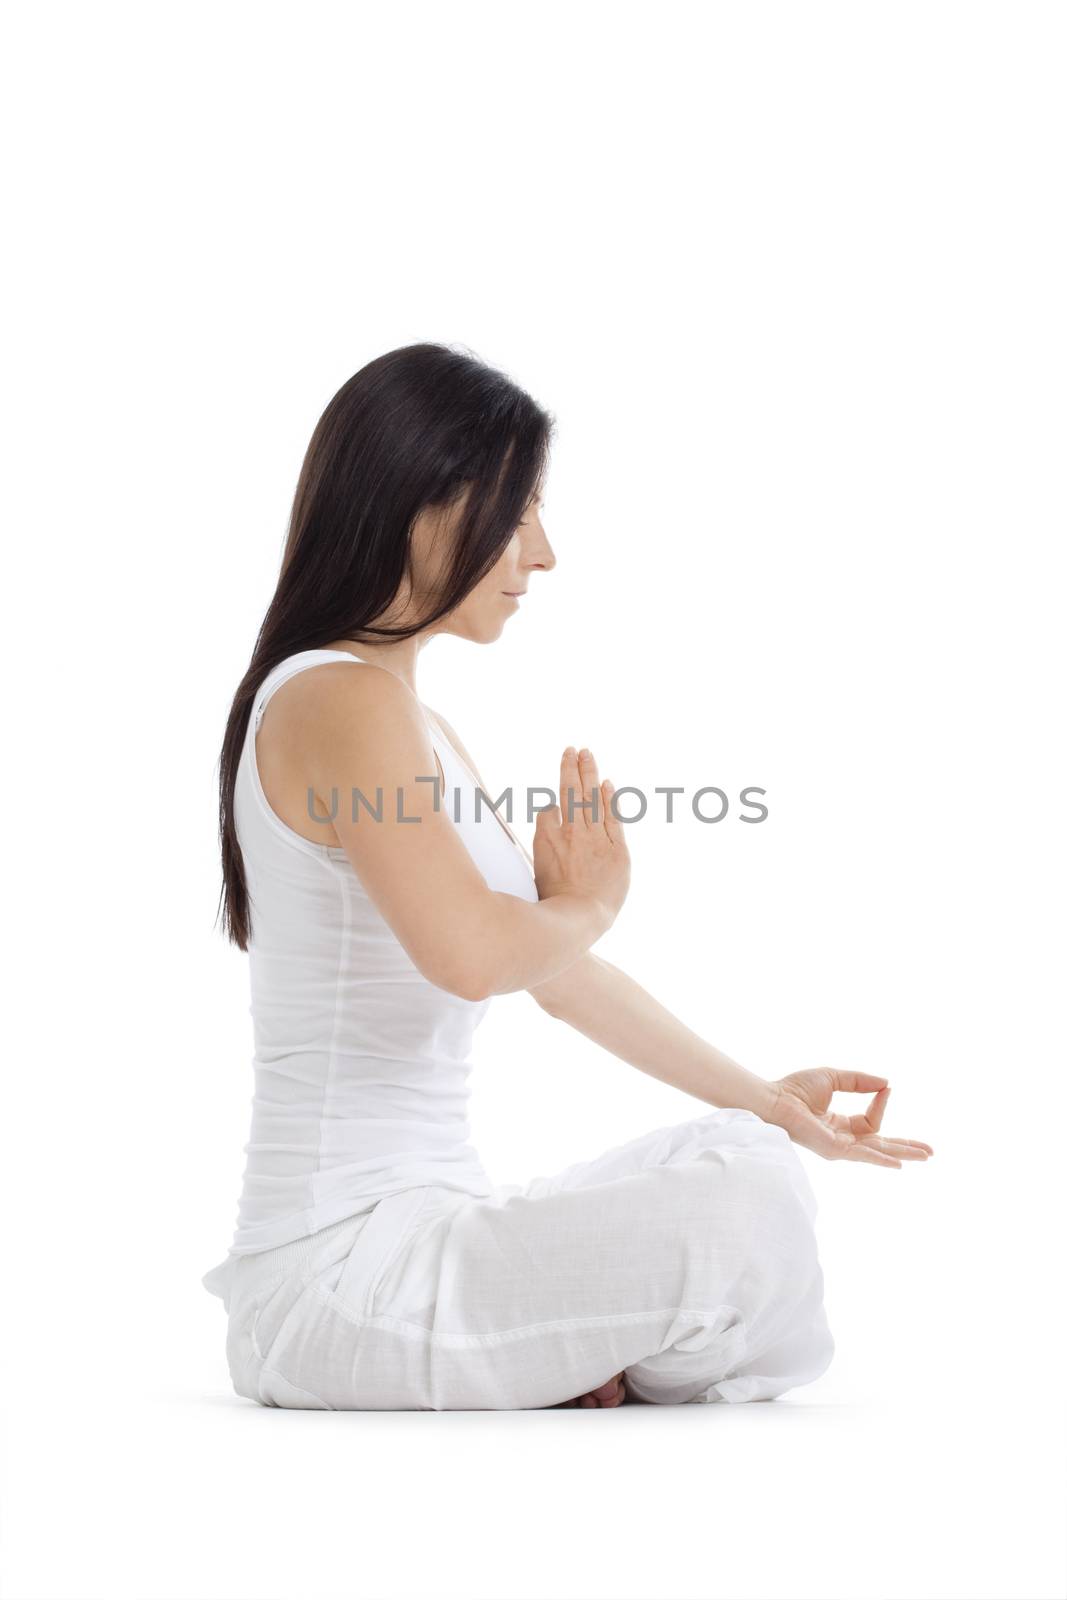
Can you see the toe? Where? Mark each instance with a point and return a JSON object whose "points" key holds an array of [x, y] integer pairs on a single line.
{"points": [[611, 1393]]}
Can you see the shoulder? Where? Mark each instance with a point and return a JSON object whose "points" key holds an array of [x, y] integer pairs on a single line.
{"points": [[351, 704], [328, 690]]}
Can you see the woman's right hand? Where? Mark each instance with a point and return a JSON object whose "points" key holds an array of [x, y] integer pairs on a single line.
{"points": [[583, 856]]}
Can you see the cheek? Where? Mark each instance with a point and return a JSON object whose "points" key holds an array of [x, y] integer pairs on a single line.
{"points": [[501, 572]]}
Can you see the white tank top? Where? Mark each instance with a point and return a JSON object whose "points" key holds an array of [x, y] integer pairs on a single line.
{"points": [[361, 1064]]}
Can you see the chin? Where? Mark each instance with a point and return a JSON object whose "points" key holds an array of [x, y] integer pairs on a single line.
{"points": [[485, 630]]}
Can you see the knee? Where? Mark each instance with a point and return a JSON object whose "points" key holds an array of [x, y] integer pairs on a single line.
{"points": [[768, 1179], [779, 1176]]}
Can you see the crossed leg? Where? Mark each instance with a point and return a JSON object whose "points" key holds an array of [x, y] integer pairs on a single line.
{"points": [[680, 1266], [710, 1220]]}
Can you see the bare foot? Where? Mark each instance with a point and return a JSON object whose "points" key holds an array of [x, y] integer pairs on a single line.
{"points": [[612, 1393]]}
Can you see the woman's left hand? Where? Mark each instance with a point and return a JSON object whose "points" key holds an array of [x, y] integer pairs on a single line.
{"points": [[801, 1106]]}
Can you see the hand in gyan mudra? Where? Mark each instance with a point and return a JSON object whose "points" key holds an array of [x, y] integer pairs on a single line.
{"points": [[802, 1108]]}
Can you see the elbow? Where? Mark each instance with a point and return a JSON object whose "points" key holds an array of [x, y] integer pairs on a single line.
{"points": [[476, 992], [469, 960], [473, 991], [468, 983]]}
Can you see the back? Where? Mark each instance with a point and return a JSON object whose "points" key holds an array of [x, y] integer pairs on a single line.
{"points": [[360, 1064]]}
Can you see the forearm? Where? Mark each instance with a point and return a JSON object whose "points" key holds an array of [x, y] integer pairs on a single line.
{"points": [[523, 943], [608, 1006]]}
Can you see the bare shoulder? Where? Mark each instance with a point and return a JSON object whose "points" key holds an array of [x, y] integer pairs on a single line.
{"points": [[337, 702], [332, 724]]}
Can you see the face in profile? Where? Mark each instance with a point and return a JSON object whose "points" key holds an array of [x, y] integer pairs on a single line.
{"points": [[482, 614]]}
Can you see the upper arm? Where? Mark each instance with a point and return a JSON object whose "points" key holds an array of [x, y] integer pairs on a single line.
{"points": [[363, 729]]}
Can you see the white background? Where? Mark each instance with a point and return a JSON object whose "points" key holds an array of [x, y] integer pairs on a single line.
{"points": [[791, 280]]}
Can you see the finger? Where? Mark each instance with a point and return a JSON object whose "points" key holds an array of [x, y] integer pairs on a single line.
{"points": [[548, 818], [856, 1082], [569, 784], [613, 825], [588, 772], [907, 1149], [864, 1152], [876, 1109], [862, 1123]]}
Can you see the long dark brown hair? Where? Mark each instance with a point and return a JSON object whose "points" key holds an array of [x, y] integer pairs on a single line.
{"points": [[410, 431]]}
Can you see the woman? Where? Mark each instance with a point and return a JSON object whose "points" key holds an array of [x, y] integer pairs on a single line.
{"points": [[375, 1265]]}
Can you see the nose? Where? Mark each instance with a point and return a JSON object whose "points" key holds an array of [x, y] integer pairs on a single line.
{"points": [[543, 556]]}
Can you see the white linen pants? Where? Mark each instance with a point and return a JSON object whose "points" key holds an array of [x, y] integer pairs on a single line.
{"points": [[685, 1258]]}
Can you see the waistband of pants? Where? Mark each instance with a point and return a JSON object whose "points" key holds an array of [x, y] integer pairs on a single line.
{"points": [[253, 1268], [283, 1259], [375, 1228]]}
